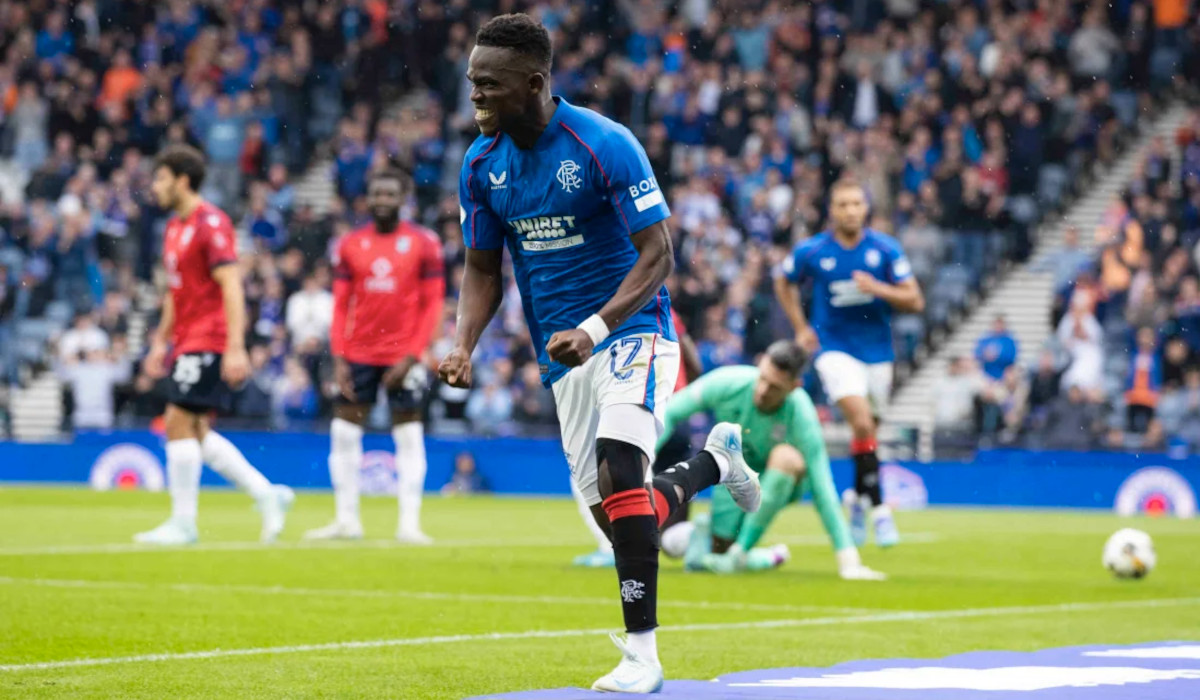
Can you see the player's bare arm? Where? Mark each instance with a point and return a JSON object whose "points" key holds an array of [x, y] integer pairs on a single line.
{"points": [[788, 294], [656, 261], [905, 296], [155, 364], [482, 291], [235, 363]]}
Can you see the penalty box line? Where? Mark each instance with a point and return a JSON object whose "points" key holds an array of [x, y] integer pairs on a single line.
{"points": [[418, 595], [909, 616]]}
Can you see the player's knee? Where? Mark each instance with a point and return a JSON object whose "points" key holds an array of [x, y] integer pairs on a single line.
{"points": [[862, 424], [786, 459], [179, 424], [345, 436], [621, 465]]}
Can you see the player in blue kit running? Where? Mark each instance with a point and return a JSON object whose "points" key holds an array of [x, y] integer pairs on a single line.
{"points": [[858, 276], [572, 196]]}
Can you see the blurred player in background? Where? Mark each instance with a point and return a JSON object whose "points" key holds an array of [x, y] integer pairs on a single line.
{"points": [[675, 448], [202, 331], [782, 441], [573, 197], [388, 293], [859, 276]]}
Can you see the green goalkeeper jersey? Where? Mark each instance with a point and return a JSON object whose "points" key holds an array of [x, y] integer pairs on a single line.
{"points": [[728, 394]]}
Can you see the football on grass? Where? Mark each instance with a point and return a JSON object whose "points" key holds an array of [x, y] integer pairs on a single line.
{"points": [[1129, 553]]}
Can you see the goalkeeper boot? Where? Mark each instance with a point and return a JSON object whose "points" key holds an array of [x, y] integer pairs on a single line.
{"points": [[599, 559], [633, 675], [856, 513], [886, 532]]}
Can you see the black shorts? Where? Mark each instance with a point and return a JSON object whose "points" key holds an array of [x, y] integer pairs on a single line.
{"points": [[368, 379], [195, 384]]}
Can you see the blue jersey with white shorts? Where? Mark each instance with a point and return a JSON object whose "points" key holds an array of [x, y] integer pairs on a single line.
{"points": [[845, 319], [566, 209]]}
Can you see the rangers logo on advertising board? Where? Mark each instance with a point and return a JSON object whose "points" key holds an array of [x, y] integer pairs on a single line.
{"points": [[127, 466], [1156, 491]]}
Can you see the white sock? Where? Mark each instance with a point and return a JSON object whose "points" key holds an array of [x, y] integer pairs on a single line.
{"points": [[882, 510], [585, 512], [229, 462], [675, 539], [184, 462], [410, 468], [345, 461], [644, 645]]}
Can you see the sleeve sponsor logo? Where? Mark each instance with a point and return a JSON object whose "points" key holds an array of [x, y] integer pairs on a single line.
{"points": [[650, 200]]}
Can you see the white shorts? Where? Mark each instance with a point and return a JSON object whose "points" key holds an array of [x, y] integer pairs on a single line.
{"points": [[639, 370], [843, 375]]}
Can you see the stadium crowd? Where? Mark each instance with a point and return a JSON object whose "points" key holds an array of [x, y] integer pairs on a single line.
{"points": [[1124, 367], [969, 121]]}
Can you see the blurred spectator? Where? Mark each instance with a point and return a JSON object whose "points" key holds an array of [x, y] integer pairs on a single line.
{"points": [[1073, 421], [295, 397], [534, 404], [1080, 334], [490, 408], [310, 312], [466, 478], [1069, 259], [1143, 383], [1179, 410], [996, 351], [83, 338], [957, 393], [92, 379]]}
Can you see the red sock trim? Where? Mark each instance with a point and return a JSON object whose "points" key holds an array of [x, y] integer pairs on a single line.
{"points": [[863, 446], [627, 504], [661, 509]]}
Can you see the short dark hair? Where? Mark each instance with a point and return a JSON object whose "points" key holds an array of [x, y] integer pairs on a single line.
{"points": [[393, 172], [518, 32], [788, 356], [181, 159]]}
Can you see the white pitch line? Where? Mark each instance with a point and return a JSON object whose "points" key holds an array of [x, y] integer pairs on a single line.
{"points": [[417, 595], [823, 541], [238, 546], [903, 616]]}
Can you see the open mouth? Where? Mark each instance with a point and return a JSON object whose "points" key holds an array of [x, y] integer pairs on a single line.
{"points": [[484, 115]]}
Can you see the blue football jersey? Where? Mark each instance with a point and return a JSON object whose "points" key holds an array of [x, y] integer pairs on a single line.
{"points": [[844, 318], [566, 209]]}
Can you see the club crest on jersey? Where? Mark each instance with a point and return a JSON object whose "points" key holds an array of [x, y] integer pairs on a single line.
{"points": [[872, 258], [498, 183], [568, 176], [828, 264], [186, 236], [403, 244], [381, 277]]}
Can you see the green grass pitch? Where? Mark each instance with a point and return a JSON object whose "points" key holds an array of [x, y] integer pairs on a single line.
{"points": [[496, 607]]}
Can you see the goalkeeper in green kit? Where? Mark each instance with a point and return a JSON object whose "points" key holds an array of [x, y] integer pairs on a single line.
{"points": [[782, 441]]}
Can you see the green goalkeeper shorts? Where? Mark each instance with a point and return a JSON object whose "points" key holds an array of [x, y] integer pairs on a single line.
{"points": [[727, 517]]}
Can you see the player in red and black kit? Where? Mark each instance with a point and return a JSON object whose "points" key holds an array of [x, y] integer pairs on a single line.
{"points": [[202, 334], [388, 293], [677, 449]]}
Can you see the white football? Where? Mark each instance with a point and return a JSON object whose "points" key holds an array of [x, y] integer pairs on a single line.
{"points": [[1129, 553]]}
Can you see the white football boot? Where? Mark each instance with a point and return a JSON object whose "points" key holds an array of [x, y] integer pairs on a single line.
{"points": [[726, 439], [633, 675], [171, 533], [336, 530], [416, 537], [274, 507]]}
